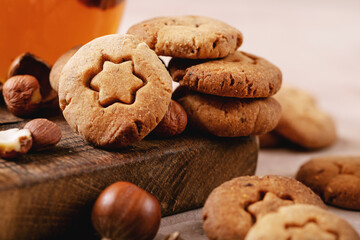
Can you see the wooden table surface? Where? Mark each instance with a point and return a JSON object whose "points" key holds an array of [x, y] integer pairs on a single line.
{"points": [[317, 46]]}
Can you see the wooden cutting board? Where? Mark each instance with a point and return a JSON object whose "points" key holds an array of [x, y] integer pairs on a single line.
{"points": [[49, 194]]}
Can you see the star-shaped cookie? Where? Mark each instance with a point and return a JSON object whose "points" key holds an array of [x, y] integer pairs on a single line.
{"points": [[116, 83], [270, 203]]}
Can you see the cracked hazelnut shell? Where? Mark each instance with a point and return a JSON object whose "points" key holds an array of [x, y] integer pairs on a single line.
{"points": [[125, 211], [29, 64]]}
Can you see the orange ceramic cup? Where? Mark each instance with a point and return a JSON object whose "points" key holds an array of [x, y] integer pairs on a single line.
{"points": [[48, 28]]}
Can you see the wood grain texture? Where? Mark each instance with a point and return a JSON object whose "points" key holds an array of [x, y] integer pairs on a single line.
{"points": [[49, 194], [5, 116]]}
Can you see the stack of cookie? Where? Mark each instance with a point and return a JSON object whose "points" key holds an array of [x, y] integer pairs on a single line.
{"points": [[224, 91]]}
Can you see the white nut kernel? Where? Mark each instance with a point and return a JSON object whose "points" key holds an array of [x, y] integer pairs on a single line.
{"points": [[14, 142]]}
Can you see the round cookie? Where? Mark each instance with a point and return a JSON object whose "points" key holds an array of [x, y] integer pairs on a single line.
{"points": [[240, 75], [302, 121], [114, 91], [192, 37], [233, 207], [335, 179], [58, 66], [301, 222], [230, 117]]}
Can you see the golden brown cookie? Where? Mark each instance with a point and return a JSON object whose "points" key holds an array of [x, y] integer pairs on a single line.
{"points": [[114, 91], [192, 37], [230, 117], [335, 179], [240, 75], [301, 222], [233, 207], [302, 121]]}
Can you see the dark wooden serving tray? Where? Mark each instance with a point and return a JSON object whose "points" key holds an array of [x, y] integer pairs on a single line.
{"points": [[49, 194]]}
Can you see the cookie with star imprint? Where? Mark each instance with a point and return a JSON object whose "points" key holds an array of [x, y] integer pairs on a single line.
{"points": [[114, 91], [232, 208], [301, 221]]}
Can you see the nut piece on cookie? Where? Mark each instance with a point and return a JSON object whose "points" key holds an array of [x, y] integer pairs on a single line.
{"points": [[301, 221], [14, 142], [114, 91], [232, 208], [335, 179], [240, 75], [192, 37], [229, 117], [302, 121]]}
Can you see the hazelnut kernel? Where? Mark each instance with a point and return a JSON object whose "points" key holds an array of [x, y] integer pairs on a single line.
{"points": [[22, 95], [45, 133], [14, 142]]}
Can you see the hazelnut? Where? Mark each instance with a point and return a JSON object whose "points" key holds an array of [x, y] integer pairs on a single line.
{"points": [[59, 65], [22, 95], [14, 142], [28, 64], [125, 211], [45, 133], [173, 123]]}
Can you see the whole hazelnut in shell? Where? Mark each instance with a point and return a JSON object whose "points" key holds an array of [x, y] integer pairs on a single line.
{"points": [[173, 123], [125, 211], [22, 95]]}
